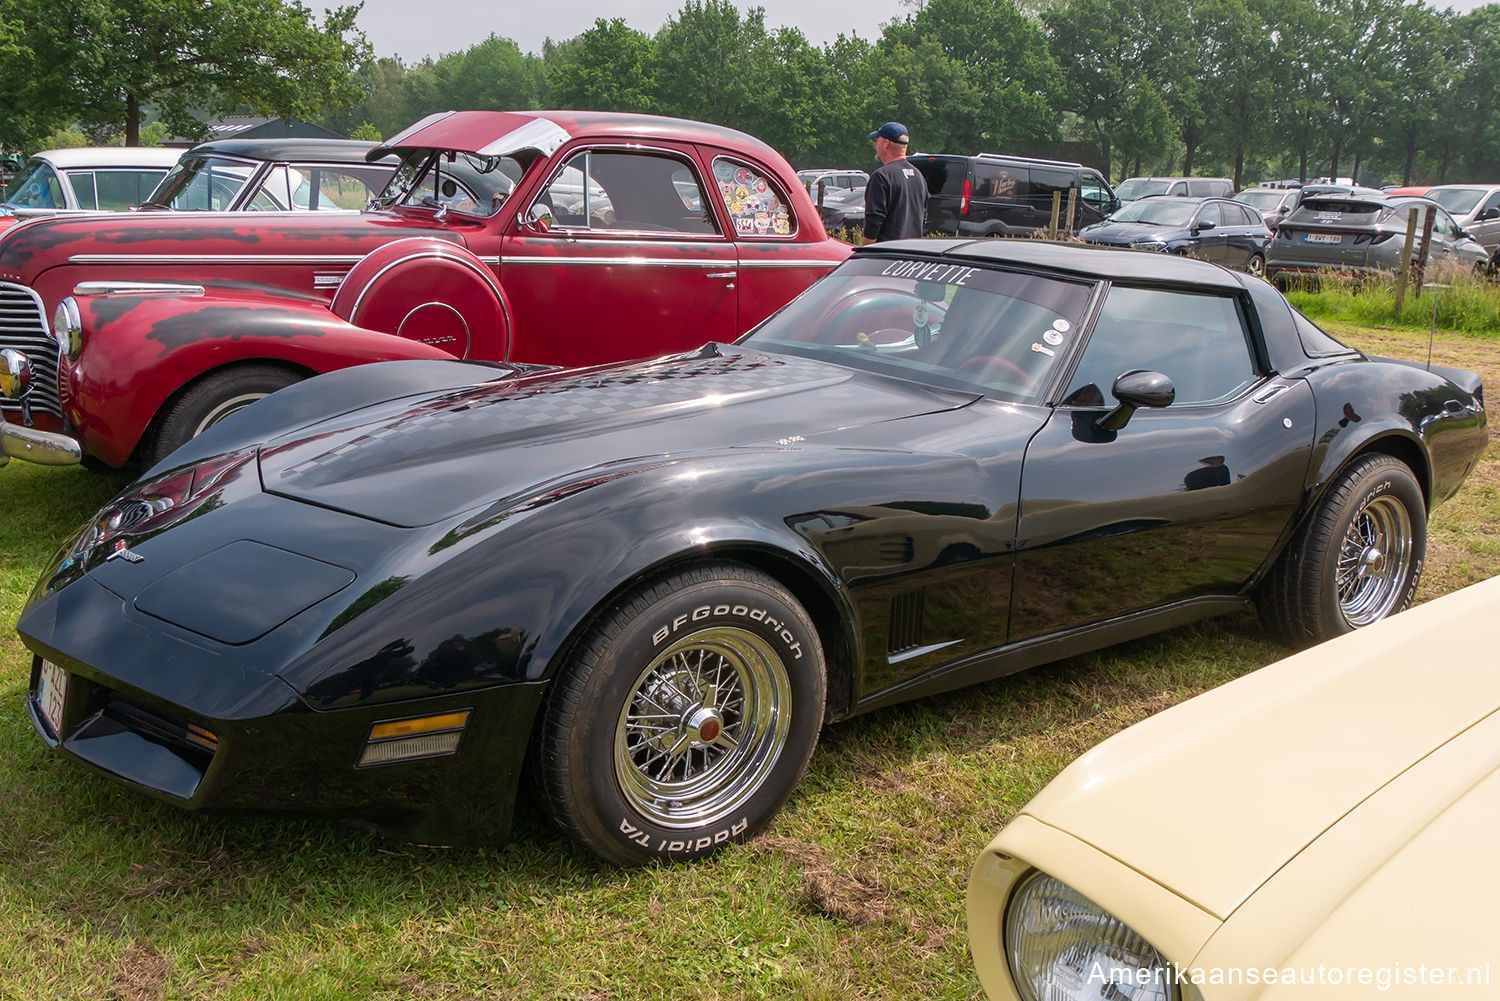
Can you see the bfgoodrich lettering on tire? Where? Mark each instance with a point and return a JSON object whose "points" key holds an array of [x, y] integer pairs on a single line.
{"points": [[1356, 560], [685, 719]]}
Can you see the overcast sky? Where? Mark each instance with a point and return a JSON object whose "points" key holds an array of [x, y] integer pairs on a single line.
{"points": [[433, 27]]}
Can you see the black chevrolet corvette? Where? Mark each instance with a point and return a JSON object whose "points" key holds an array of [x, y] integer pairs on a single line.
{"points": [[385, 594]]}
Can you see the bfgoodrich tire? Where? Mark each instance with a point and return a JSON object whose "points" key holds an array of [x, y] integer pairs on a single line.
{"points": [[685, 719], [1356, 560], [209, 401]]}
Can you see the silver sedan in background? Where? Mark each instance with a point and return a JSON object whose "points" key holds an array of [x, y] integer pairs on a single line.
{"points": [[1364, 234]]}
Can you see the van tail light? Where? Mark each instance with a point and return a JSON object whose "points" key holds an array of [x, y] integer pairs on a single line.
{"points": [[963, 199]]}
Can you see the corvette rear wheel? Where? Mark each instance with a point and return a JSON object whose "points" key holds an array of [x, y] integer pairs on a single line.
{"points": [[686, 718], [1357, 560], [210, 400]]}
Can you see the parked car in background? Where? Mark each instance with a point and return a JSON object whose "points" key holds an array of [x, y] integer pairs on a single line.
{"points": [[1132, 188], [1476, 208], [1338, 841], [1364, 234], [844, 209], [1273, 204], [994, 195], [1277, 200], [273, 175], [828, 179], [87, 179], [558, 237], [1212, 229], [384, 593]]}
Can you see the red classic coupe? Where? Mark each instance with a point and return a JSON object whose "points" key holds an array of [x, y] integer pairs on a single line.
{"points": [[553, 237]]}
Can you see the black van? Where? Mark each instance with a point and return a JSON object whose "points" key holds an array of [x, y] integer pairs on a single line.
{"points": [[992, 195]]}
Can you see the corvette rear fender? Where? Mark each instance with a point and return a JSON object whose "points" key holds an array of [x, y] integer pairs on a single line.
{"points": [[159, 345]]}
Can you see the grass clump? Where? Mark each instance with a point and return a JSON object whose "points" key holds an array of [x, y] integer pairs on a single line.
{"points": [[1464, 303]]}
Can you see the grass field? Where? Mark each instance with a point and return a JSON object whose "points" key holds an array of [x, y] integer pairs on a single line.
{"points": [[856, 891]]}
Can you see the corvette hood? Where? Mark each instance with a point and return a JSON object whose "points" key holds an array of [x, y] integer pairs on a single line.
{"points": [[422, 459], [1254, 772]]}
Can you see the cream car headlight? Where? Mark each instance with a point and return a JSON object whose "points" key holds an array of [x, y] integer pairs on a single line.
{"points": [[1062, 947]]}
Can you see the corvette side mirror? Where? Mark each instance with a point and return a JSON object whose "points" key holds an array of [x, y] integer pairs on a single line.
{"points": [[1134, 390]]}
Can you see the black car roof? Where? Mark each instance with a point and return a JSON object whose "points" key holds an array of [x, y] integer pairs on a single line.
{"points": [[292, 150], [1113, 263]]}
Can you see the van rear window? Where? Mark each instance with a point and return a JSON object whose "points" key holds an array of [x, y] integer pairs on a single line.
{"points": [[944, 175]]}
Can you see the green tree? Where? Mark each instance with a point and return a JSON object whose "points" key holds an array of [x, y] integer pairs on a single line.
{"points": [[1006, 64], [609, 66], [1112, 55], [1240, 52], [102, 62]]}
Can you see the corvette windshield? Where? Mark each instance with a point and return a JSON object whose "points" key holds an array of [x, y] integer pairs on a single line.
{"points": [[950, 324]]}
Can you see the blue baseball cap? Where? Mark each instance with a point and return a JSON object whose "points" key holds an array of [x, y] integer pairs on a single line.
{"points": [[894, 131]]}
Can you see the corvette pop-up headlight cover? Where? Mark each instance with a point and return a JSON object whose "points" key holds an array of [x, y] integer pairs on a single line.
{"points": [[1061, 945], [148, 507]]}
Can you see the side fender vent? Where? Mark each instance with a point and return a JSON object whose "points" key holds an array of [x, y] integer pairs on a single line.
{"points": [[905, 632], [900, 550]]}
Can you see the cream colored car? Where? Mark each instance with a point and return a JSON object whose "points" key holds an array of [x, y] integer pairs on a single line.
{"points": [[1323, 828]]}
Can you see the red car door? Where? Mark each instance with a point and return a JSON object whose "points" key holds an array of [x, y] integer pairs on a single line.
{"points": [[617, 254]]}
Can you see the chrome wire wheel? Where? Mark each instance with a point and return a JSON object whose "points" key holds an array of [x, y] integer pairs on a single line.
{"points": [[1374, 561], [704, 725]]}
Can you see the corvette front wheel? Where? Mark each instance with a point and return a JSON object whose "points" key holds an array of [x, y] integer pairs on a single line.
{"points": [[686, 718], [1356, 560]]}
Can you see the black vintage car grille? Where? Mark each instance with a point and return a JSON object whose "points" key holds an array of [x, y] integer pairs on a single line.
{"points": [[23, 328]]}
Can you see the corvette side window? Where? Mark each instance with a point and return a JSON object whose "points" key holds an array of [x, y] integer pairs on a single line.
{"points": [[1198, 341]]}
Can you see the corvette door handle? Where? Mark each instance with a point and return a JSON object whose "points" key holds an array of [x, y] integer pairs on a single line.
{"points": [[723, 274]]}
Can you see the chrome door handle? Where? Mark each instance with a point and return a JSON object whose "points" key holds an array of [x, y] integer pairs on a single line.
{"points": [[723, 274]]}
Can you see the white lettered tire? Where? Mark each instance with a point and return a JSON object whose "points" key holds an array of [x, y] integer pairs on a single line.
{"points": [[685, 719]]}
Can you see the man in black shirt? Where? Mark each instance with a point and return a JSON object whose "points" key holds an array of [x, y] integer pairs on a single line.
{"points": [[896, 196]]}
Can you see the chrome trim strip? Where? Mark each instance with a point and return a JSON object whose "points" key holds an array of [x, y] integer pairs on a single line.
{"points": [[137, 288], [621, 261], [662, 262], [117, 259]]}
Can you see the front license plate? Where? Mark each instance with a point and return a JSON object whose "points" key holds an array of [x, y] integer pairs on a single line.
{"points": [[51, 690], [1323, 238]]}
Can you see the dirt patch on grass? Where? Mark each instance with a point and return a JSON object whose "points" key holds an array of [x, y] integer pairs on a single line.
{"points": [[140, 975], [853, 897]]}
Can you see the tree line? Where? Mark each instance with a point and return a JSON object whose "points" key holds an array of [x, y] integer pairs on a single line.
{"points": [[1384, 90]]}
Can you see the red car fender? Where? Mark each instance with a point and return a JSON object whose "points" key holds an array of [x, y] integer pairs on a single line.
{"points": [[140, 351], [429, 290]]}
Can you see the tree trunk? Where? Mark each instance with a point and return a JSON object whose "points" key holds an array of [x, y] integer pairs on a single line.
{"points": [[1333, 168], [1355, 175], [1239, 166], [1187, 159], [132, 120]]}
